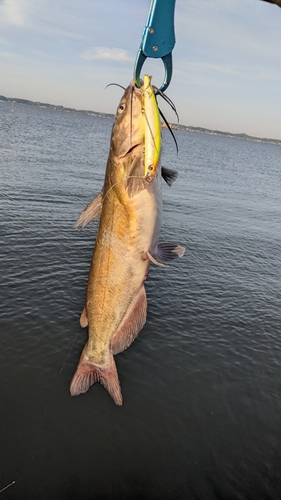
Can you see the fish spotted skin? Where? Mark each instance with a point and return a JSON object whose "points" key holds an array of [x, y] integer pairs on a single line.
{"points": [[130, 217]]}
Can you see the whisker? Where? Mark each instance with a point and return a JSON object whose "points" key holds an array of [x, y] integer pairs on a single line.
{"points": [[117, 85], [131, 114], [167, 99], [168, 125]]}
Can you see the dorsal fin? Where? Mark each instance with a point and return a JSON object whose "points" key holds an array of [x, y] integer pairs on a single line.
{"points": [[169, 175]]}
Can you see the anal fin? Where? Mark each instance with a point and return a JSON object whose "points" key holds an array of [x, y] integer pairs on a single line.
{"points": [[131, 324]]}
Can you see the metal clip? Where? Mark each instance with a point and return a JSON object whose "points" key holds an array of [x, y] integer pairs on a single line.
{"points": [[158, 39]]}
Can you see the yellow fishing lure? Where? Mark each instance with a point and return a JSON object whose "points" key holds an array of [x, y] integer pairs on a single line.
{"points": [[152, 130]]}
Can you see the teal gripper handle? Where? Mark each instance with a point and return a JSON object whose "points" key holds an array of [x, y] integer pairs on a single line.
{"points": [[158, 37]]}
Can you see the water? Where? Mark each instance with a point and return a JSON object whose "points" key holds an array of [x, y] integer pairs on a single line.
{"points": [[201, 384]]}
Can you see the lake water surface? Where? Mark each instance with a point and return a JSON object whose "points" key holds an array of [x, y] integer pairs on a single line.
{"points": [[201, 384]]}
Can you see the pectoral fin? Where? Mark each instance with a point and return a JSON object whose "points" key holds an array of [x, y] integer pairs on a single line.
{"points": [[169, 175], [131, 324], [135, 180], [91, 212]]}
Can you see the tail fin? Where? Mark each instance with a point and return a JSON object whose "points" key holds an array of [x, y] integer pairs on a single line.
{"points": [[88, 373]]}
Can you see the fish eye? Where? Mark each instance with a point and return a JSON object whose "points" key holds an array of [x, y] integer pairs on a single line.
{"points": [[121, 107]]}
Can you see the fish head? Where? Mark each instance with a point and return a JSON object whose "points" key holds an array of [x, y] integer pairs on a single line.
{"points": [[128, 128]]}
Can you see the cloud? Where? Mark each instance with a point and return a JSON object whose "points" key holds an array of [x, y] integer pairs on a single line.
{"points": [[13, 11], [106, 53]]}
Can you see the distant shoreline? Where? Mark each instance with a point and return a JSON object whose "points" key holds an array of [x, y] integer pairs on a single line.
{"points": [[174, 126], [54, 106]]}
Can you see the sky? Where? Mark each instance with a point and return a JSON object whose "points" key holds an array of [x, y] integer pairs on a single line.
{"points": [[227, 58]]}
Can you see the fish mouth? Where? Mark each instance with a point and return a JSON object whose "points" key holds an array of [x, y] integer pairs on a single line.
{"points": [[133, 84]]}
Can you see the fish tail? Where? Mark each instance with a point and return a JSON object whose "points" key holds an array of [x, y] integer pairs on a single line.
{"points": [[88, 373]]}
